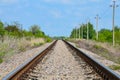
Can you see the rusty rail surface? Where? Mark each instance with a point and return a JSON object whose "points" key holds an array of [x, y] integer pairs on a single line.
{"points": [[18, 72], [105, 72]]}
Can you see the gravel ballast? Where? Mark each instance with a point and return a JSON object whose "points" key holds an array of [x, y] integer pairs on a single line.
{"points": [[94, 55], [18, 59], [62, 63]]}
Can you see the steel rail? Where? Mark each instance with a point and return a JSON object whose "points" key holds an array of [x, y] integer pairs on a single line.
{"points": [[105, 72], [19, 71]]}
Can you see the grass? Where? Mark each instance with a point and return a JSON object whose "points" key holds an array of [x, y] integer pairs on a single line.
{"points": [[115, 67], [38, 44], [97, 46], [11, 46], [105, 50], [1, 56], [48, 39], [21, 48], [1, 60]]}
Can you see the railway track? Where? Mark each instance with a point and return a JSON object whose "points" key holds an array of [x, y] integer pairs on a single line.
{"points": [[56, 63]]}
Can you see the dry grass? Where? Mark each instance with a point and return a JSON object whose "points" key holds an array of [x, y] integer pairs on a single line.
{"points": [[37, 41], [105, 50], [115, 67], [10, 46]]}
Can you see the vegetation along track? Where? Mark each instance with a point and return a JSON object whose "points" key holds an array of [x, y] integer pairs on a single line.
{"points": [[62, 61]]}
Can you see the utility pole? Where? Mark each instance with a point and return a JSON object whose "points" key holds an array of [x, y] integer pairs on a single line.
{"points": [[82, 30], [113, 20], [76, 33], [87, 29], [97, 18], [79, 32]]}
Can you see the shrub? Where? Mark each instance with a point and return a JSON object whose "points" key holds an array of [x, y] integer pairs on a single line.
{"points": [[2, 54], [38, 44], [97, 46], [1, 60], [115, 67], [47, 39], [21, 48]]}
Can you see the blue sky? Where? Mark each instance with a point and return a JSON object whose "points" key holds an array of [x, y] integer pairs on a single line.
{"points": [[58, 17]]}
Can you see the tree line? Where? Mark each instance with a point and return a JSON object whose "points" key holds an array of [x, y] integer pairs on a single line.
{"points": [[15, 30], [105, 35]]}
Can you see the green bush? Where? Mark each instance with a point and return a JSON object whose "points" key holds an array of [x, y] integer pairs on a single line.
{"points": [[97, 46], [28, 38], [22, 48], [48, 39], [2, 54], [38, 44], [115, 67], [1, 60]]}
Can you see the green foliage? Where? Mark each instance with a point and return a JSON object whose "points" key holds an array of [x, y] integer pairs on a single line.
{"points": [[105, 35], [117, 35], [97, 46], [1, 60], [1, 56], [48, 39], [35, 29], [83, 31], [73, 33], [12, 28], [1, 29], [60, 37], [15, 30], [21, 48], [38, 44], [115, 67]]}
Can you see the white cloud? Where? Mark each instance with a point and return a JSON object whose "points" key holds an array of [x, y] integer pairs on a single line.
{"points": [[8, 1], [59, 1], [71, 2], [95, 0], [56, 14]]}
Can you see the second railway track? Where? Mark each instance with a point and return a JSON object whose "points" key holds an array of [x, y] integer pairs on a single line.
{"points": [[62, 61]]}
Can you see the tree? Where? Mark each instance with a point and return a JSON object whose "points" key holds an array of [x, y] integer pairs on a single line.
{"points": [[117, 34], [14, 30], [73, 34], [35, 29], [105, 35], [2, 31], [83, 31]]}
